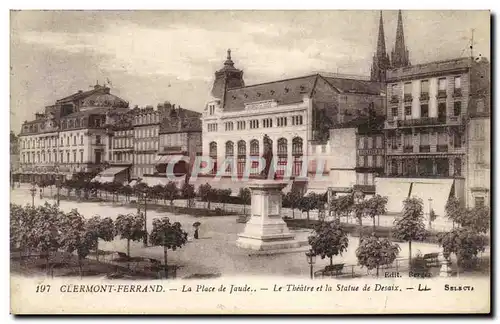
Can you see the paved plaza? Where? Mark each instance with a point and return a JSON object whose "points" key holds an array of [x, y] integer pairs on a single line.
{"points": [[216, 251]]}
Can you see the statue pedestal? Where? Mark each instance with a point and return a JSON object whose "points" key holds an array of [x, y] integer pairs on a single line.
{"points": [[445, 270], [266, 230]]}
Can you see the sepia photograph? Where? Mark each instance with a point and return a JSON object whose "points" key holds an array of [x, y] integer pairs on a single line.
{"points": [[250, 161]]}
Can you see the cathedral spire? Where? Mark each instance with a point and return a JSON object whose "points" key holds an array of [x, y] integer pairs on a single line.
{"points": [[400, 55], [229, 61], [380, 59], [381, 38]]}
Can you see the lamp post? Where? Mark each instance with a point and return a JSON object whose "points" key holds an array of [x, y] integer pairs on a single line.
{"points": [[311, 259], [58, 188], [33, 193], [145, 197], [430, 213]]}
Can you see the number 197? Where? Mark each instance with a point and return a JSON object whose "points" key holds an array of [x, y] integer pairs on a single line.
{"points": [[42, 288]]}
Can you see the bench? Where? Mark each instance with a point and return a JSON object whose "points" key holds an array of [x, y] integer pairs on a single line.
{"points": [[431, 259], [123, 256]]}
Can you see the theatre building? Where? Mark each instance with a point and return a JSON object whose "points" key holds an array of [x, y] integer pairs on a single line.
{"points": [[427, 149], [296, 114]]}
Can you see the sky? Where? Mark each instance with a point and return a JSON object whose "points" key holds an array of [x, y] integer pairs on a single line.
{"points": [[154, 56]]}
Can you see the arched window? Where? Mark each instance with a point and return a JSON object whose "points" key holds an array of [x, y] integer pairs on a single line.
{"points": [[297, 146], [63, 124], [242, 156], [213, 155], [254, 147], [229, 155], [282, 157], [254, 152], [297, 152], [77, 122]]}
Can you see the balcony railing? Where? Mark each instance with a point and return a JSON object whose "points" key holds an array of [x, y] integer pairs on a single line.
{"points": [[424, 96], [408, 98], [394, 99], [408, 149], [424, 148], [421, 121], [442, 94], [455, 120], [442, 148]]}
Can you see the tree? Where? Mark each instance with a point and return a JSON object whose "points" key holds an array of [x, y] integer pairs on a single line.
{"points": [[293, 199], [223, 196], [329, 239], [374, 252], [454, 210], [245, 196], [306, 204], [343, 206], [171, 193], [374, 207], [76, 237], [170, 236], [188, 193], [101, 229], [46, 234], [410, 227], [204, 193], [466, 243], [130, 227]]}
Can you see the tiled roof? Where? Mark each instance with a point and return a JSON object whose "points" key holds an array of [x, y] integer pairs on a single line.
{"points": [[88, 112], [78, 95], [180, 125], [293, 90], [355, 86], [284, 92]]}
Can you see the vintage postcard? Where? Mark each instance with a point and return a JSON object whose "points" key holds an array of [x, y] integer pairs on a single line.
{"points": [[250, 162]]}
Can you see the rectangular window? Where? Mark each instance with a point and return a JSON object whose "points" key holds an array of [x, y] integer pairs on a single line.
{"points": [[394, 90], [361, 142], [394, 111], [424, 110], [380, 161], [457, 140], [379, 143], [424, 86], [479, 154], [370, 161], [360, 179], [81, 156], [478, 201], [361, 161], [478, 131], [442, 84], [424, 138], [370, 142], [457, 108], [408, 111], [408, 140], [407, 88], [457, 82]]}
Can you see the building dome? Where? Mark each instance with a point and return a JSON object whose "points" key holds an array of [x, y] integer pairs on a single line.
{"points": [[104, 100]]}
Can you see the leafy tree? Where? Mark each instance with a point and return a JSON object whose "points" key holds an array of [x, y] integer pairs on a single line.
{"points": [[478, 219], [223, 196], [465, 243], [306, 204], [157, 191], [329, 239], [130, 227], [343, 206], [374, 207], [170, 236], [454, 210], [76, 237], [204, 192], [245, 196], [374, 252], [46, 235], [188, 193], [293, 199], [171, 193], [410, 227], [101, 229]]}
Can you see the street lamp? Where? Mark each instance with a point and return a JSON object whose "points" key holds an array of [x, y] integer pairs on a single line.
{"points": [[145, 197], [311, 259], [58, 186], [33, 193], [430, 212]]}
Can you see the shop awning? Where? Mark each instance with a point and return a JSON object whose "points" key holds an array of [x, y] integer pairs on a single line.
{"points": [[396, 192], [112, 171], [439, 192], [165, 159]]}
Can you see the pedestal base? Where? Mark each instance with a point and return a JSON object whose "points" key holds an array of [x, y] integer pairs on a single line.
{"points": [[265, 229]]}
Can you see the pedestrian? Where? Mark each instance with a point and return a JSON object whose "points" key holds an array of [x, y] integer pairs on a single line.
{"points": [[41, 196]]}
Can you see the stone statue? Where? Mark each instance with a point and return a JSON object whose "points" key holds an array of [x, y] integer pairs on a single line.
{"points": [[267, 155]]}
